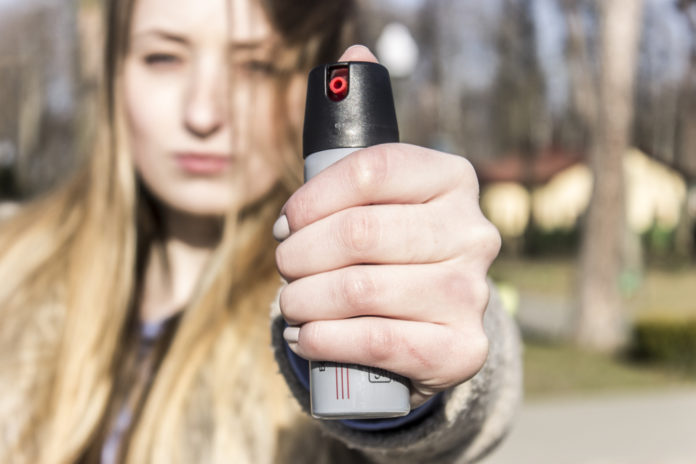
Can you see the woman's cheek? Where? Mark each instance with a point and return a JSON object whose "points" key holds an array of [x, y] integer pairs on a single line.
{"points": [[149, 110], [152, 108]]}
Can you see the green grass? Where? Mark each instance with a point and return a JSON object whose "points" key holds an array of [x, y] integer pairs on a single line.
{"points": [[564, 370], [553, 369], [667, 293]]}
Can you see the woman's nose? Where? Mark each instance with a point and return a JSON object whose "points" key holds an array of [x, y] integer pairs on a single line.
{"points": [[204, 113]]}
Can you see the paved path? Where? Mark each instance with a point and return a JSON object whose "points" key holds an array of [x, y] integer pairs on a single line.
{"points": [[545, 315], [629, 428]]}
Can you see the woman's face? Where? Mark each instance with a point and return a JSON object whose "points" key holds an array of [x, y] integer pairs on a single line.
{"points": [[194, 135]]}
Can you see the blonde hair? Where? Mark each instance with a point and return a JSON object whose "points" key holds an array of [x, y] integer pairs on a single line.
{"points": [[69, 266]]}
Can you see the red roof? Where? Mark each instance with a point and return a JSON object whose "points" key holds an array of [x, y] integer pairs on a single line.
{"points": [[538, 169]]}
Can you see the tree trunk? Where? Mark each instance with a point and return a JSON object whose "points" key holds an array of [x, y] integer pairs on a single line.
{"points": [[686, 111], [601, 321]]}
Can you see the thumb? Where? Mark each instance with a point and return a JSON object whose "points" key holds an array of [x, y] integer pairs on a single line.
{"points": [[358, 53]]}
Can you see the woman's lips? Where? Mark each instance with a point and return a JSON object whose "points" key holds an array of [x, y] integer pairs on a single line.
{"points": [[203, 163]]}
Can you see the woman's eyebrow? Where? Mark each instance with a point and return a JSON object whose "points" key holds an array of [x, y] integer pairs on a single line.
{"points": [[162, 34]]}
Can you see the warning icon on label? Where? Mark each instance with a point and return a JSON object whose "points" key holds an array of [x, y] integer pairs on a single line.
{"points": [[377, 376]]}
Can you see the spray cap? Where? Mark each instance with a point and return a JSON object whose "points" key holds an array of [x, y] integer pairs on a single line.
{"points": [[349, 105]]}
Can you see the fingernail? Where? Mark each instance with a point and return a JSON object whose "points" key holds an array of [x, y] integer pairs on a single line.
{"points": [[293, 348], [281, 228], [291, 334]]}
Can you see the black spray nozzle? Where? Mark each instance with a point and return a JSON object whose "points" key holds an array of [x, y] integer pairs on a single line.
{"points": [[349, 105]]}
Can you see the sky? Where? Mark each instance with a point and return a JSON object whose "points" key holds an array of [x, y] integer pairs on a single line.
{"points": [[551, 36], [405, 4]]}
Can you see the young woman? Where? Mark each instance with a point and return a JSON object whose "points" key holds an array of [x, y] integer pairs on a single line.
{"points": [[133, 305]]}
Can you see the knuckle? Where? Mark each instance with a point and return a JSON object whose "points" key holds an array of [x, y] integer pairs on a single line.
{"points": [[464, 291], [466, 173], [479, 294], [359, 290], [369, 168], [478, 348], [358, 231], [473, 351], [495, 241], [380, 342], [485, 240], [454, 285]]}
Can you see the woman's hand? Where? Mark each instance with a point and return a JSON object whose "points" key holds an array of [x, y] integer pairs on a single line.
{"points": [[386, 254]]}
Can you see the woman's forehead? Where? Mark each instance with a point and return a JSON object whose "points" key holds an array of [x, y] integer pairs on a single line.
{"points": [[233, 20]]}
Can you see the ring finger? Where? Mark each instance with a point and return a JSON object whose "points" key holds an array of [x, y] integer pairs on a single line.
{"points": [[437, 293]]}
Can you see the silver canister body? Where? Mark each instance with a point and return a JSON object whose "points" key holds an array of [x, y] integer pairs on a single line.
{"points": [[351, 391]]}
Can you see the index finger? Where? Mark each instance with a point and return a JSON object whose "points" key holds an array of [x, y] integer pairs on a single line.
{"points": [[382, 174]]}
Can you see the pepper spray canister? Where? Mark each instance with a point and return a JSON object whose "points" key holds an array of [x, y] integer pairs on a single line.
{"points": [[350, 106]]}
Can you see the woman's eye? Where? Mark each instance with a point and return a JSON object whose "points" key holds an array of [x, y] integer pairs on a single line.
{"points": [[259, 67], [161, 59]]}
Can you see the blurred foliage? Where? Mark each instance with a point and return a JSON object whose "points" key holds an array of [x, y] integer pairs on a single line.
{"points": [[659, 241], [559, 242], [659, 244], [666, 340], [8, 187]]}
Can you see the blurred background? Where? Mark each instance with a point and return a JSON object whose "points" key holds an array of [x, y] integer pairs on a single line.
{"points": [[580, 118]]}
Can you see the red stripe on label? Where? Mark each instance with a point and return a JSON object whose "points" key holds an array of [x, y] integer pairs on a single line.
{"points": [[348, 381], [336, 372], [342, 392]]}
